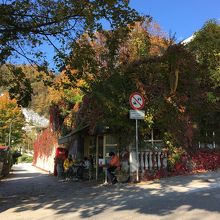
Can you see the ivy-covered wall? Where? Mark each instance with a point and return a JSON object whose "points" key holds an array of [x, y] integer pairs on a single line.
{"points": [[44, 150]]}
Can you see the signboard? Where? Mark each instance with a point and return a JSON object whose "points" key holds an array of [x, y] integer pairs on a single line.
{"points": [[136, 101], [137, 114], [101, 162]]}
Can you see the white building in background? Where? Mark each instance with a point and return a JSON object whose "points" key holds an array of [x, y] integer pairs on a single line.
{"points": [[34, 120], [187, 40]]}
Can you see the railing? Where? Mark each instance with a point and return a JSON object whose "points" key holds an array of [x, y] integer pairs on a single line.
{"points": [[149, 160]]}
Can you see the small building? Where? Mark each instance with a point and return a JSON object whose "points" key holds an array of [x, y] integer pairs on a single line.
{"points": [[80, 143], [97, 146]]}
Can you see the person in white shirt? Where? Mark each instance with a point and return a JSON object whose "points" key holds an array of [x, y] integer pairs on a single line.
{"points": [[87, 163]]}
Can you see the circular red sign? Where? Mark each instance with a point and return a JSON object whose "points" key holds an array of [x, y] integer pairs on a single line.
{"points": [[136, 101]]}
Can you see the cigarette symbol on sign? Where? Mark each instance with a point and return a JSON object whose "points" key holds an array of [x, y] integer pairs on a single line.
{"points": [[136, 101]]}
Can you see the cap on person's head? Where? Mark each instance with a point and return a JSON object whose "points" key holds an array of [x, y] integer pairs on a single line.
{"points": [[111, 154]]}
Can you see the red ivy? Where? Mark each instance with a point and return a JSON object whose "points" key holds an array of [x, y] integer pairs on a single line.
{"points": [[45, 143], [206, 160], [200, 161]]}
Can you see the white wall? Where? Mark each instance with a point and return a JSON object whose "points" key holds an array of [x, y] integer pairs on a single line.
{"points": [[46, 162]]}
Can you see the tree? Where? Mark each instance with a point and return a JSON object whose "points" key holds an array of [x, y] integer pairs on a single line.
{"points": [[110, 76], [14, 80], [34, 21], [27, 85], [206, 47], [39, 97], [64, 103], [26, 25], [146, 61], [11, 121]]}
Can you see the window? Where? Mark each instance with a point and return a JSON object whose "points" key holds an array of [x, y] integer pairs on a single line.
{"points": [[154, 140]]}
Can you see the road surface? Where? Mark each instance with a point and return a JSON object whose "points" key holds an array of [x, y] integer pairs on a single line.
{"points": [[29, 193]]}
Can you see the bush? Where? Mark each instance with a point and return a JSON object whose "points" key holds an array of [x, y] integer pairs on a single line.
{"points": [[15, 155], [25, 159], [206, 159], [200, 160]]}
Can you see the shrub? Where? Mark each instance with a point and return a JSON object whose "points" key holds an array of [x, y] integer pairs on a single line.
{"points": [[25, 159], [201, 160], [174, 151], [206, 160]]}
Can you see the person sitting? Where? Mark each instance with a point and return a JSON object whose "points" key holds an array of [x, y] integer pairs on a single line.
{"points": [[79, 172], [87, 168], [59, 166], [83, 167], [68, 163], [91, 160], [113, 165], [87, 163]]}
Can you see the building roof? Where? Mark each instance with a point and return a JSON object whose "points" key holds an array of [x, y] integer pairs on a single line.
{"points": [[72, 135], [188, 40], [3, 147]]}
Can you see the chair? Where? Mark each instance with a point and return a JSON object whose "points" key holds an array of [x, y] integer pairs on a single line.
{"points": [[87, 173]]}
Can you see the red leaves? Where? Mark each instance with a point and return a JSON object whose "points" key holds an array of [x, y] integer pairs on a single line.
{"points": [[44, 145], [206, 160], [200, 161]]}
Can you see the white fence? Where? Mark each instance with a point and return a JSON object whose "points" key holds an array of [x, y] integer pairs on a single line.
{"points": [[148, 160]]}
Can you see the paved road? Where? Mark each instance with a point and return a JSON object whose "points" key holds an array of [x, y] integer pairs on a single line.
{"points": [[29, 193]]}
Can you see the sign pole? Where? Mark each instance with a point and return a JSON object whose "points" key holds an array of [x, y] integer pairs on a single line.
{"points": [[137, 103], [137, 158]]}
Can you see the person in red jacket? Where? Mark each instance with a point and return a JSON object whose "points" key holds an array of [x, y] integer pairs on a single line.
{"points": [[113, 165]]}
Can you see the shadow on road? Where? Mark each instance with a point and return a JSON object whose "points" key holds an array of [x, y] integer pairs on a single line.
{"points": [[34, 191]]}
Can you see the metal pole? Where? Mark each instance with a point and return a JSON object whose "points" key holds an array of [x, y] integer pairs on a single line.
{"points": [[9, 136], [105, 161], [152, 138], [213, 134], [137, 177], [97, 159]]}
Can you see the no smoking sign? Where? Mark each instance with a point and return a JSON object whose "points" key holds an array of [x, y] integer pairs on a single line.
{"points": [[136, 101]]}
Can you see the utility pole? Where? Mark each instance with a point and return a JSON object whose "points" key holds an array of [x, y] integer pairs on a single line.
{"points": [[9, 135]]}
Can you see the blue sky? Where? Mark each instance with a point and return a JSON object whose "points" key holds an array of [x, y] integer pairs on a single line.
{"points": [[180, 17]]}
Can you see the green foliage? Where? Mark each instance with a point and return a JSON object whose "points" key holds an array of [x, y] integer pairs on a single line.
{"points": [[149, 118], [169, 78], [72, 98], [25, 159], [13, 79], [29, 138], [206, 47], [26, 25], [26, 85], [11, 121], [174, 151], [39, 97], [212, 98], [164, 77], [33, 22]]}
